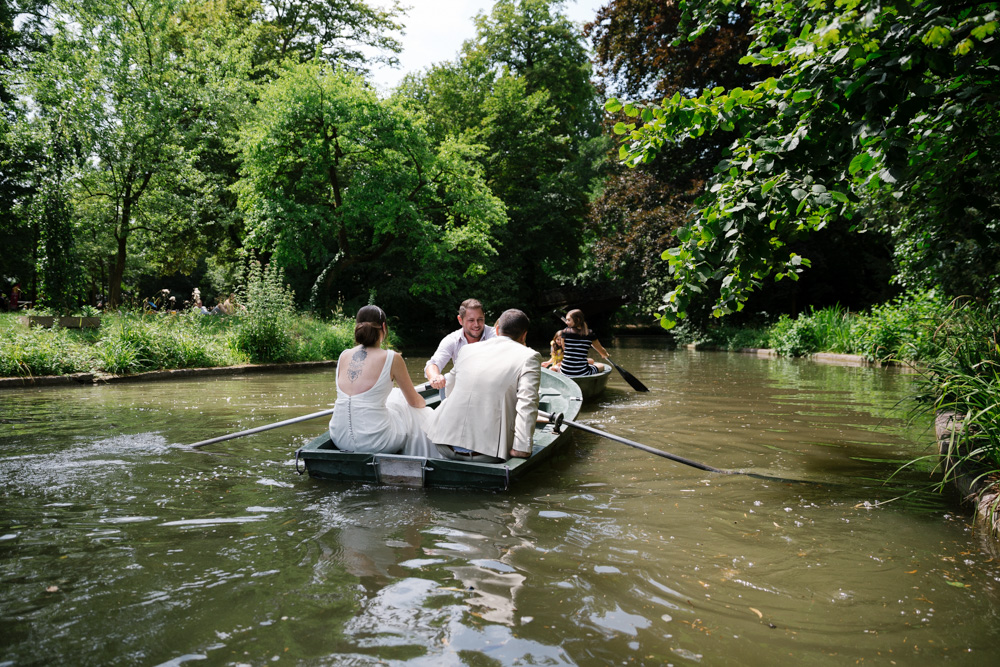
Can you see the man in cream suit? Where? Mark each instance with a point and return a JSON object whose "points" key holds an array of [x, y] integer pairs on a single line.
{"points": [[492, 400]]}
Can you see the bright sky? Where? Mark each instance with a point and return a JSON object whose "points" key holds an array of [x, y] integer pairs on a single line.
{"points": [[435, 30]]}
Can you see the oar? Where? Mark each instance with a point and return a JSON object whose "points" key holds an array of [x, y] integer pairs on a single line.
{"points": [[268, 427], [667, 455], [631, 379]]}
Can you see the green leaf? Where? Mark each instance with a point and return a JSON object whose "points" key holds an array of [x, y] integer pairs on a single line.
{"points": [[613, 105], [937, 36], [860, 162]]}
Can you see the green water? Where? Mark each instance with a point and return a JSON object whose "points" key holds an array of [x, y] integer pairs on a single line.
{"points": [[120, 546]]}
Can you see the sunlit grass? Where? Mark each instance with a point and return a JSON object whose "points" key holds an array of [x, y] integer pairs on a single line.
{"points": [[132, 343]]}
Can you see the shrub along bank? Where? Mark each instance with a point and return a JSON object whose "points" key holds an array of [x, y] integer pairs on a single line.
{"points": [[901, 330]]}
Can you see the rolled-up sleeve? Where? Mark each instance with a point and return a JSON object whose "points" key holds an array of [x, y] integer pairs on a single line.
{"points": [[447, 350], [527, 403]]}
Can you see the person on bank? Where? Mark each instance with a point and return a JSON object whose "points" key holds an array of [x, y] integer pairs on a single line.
{"points": [[490, 412], [474, 330], [577, 341], [370, 415]]}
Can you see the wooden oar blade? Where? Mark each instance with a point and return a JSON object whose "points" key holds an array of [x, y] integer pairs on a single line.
{"points": [[628, 377]]}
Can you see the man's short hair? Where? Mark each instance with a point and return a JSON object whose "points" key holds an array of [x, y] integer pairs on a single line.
{"points": [[469, 304], [513, 323]]}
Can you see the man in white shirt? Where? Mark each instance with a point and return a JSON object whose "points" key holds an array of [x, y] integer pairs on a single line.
{"points": [[474, 330], [490, 413]]}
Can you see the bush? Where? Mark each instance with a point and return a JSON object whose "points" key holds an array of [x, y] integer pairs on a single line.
{"points": [[315, 339], [833, 329], [126, 345], [793, 338], [264, 331], [902, 328]]}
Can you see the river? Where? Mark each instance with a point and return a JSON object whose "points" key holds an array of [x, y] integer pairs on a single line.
{"points": [[121, 546]]}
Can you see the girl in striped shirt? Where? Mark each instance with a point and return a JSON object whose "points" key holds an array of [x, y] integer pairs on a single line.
{"points": [[577, 341]]}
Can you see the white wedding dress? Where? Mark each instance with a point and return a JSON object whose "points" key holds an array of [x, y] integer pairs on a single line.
{"points": [[380, 420]]}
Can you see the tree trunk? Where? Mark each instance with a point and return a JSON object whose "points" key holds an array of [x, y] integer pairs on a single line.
{"points": [[117, 272]]}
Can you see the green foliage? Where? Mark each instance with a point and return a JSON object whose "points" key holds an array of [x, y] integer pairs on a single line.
{"points": [[317, 339], [964, 379], [794, 338], [336, 31], [263, 331], [350, 188], [28, 352], [880, 110], [521, 92], [902, 328]]}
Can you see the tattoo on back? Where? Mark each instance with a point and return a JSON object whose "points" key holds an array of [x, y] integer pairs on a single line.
{"points": [[357, 363]]}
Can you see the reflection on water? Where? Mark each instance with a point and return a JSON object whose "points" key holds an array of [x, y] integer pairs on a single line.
{"points": [[119, 543]]}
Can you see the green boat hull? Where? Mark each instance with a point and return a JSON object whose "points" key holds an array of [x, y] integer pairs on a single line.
{"points": [[557, 394], [592, 386]]}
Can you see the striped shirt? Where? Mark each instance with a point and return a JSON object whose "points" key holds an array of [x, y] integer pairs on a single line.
{"points": [[575, 357]]}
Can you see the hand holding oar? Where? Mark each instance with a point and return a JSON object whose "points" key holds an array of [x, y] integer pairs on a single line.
{"points": [[628, 377], [668, 455], [268, 427]]}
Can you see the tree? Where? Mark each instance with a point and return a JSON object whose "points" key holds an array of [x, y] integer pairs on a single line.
{"points": [[21, 39], [339, 182], [884, 113], [639, 52], [521, 89], [112, 77], [340, 32]]}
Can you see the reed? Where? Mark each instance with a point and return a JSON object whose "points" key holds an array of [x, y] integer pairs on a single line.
{"points": [[964, 379]]}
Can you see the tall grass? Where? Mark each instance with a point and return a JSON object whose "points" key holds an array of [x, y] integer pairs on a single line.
{"points": [[28, 352], [964, 379], [131, 343]]}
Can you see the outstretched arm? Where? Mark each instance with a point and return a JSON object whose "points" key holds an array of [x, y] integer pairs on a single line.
{"points": [[600, 348]]}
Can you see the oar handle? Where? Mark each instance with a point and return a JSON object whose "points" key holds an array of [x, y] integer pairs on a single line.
{"points": [[259, 429]]}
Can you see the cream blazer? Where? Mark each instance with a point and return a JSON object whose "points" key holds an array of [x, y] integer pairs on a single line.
{"points": [[491, 401]]}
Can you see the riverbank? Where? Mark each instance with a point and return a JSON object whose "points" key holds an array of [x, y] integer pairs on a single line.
{"points": [[133, 344], [82, 379], [832, 358]]}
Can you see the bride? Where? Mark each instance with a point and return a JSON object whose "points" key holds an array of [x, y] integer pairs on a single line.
{"points": [[370, 415]]}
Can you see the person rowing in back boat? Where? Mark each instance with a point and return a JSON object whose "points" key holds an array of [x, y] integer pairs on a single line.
{"points": [[577, 341]]}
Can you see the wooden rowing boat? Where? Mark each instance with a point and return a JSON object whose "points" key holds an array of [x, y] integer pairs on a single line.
{"points": [[557, 394], [592, 386]]}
